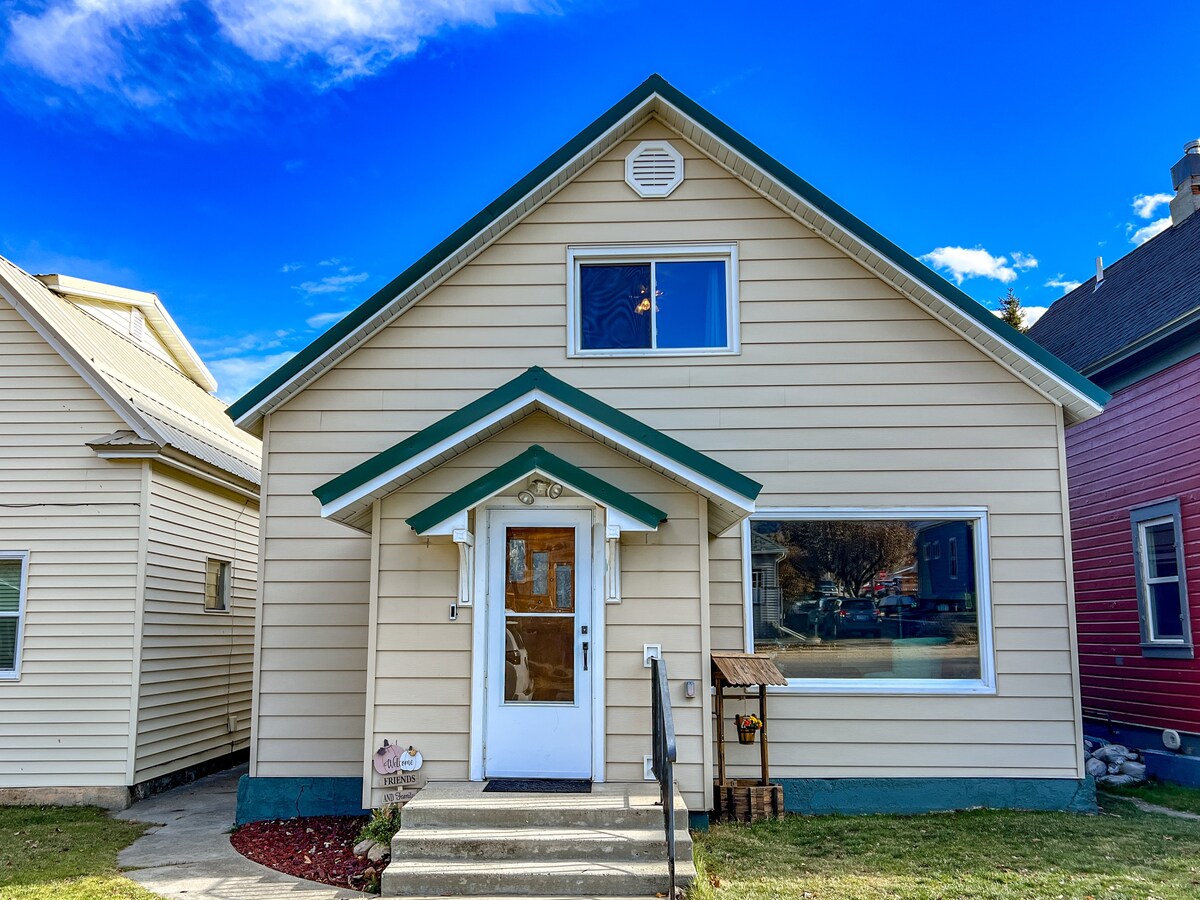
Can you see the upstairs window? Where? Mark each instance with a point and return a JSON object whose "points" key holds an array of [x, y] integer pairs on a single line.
{"points": [[637, 301], [1161, 580], [12, 612], [216, 586]]}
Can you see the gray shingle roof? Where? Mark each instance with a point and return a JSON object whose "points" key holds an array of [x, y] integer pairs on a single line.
{"points": [[1146, 289]]}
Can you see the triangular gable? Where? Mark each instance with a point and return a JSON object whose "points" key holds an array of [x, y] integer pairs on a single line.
{"points": [[625, 511], [744, 160], [348, 498]]}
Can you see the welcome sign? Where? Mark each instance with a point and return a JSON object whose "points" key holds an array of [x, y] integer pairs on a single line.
{"points": [[401, 771]]}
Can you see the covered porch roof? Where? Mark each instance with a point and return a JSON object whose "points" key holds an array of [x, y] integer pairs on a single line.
{"points": [[348, 498]]}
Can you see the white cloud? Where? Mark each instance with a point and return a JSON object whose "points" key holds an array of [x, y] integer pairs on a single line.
{"points": [[237, 374], [1029, 314], [1145, 205], [1067, 285], [320, 320], [290, 267], [333, 284], [1141, 235], [963, 262]]}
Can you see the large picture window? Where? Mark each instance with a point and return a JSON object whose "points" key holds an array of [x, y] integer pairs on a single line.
{"points": [[1161, 580], [875, 600], [668, 300], [12, 612]]}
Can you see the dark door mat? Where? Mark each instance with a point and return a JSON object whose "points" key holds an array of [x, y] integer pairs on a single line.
{"points": [[538, 786]]}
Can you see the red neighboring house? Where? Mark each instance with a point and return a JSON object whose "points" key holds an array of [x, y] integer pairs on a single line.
{"points": [[1134, 475]]}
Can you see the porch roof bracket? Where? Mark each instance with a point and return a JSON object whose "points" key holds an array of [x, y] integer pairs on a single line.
{"points": [[625, 511]]}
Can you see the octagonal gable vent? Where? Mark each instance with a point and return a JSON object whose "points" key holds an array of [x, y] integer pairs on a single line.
{"points": [[654, 169]]}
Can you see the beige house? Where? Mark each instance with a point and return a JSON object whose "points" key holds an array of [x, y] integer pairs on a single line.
{"points": [[539, 456], [128, 548]]}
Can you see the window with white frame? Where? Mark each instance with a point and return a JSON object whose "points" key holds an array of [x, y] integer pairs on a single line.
{"points": [[12, 611], [868, 602], [1161, 580], [216, 585], [668, 300]]}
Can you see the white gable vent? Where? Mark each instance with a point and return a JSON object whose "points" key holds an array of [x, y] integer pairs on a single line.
{"points": [[654, 169]]}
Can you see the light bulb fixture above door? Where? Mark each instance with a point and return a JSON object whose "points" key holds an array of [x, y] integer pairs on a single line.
{"points": [[539, 487]]}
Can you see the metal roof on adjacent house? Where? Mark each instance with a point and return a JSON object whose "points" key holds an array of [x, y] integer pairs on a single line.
{"points": [[159, 401], [1145, 293]]}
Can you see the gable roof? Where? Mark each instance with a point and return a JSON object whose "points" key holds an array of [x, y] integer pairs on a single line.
{"points": [[161, 405], [348, 497], [1147, 294], [656, 98]]}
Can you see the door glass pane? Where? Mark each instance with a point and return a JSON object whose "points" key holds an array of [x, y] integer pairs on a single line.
{"points": [[691, 304], [614, 307], [1167, 610], [1160, 550], [540, 564], [539, 659]]}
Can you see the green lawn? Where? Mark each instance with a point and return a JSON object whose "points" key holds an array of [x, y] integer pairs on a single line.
{"points": [[1171, 796], [64, 854], [999, 855]]}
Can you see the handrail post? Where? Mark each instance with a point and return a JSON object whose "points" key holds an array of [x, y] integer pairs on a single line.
{"points": [[663, 758]]}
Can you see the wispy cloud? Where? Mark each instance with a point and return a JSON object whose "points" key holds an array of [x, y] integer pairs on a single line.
{"points": [[962, 263], [290, 267], [333, 284], [320, 320], [1066, 284], [1139, 236], [159, 56], [1145, 205], [237, 374]]}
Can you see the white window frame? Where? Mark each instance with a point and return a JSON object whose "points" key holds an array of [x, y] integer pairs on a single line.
{"points": [[226, 592], [644, 254], [14, 674], [985, 684], [1142, 518]]}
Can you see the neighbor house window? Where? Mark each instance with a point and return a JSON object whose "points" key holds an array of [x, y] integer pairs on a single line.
{"points": [[666, 300], [216, 585], [1161, 580], [867, 602], [12, 611]]}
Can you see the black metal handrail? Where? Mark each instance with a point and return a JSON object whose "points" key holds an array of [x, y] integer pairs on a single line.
{"points": [[663, 739]]}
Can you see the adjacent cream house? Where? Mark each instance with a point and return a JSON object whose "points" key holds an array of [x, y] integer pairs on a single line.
{"points": [[543, 452], [128, 548]]}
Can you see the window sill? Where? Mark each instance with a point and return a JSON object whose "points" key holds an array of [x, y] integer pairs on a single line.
{"points": [[10, 676], [1168, 651], [884, 687], [669, 353]]}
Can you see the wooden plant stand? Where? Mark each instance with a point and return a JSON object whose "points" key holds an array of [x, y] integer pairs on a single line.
{"points": [[745, 799]]}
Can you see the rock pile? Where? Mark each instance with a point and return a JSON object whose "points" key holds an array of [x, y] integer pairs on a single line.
{"points": [[1113, 765], [374, 851]]}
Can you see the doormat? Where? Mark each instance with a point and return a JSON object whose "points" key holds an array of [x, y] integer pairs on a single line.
{"points": [[538, 786]]}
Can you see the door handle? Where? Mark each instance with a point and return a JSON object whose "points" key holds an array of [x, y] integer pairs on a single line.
{"points": [[585, 651]]}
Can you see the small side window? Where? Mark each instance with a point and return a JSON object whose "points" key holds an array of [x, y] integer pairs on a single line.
{"points": [[1161, 580], [12, 612], [216, 586]]}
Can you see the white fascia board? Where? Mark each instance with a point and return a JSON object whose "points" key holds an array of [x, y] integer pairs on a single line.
{"points": [[698, 482]]}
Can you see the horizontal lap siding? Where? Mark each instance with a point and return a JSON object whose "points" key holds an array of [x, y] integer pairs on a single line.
{"points": [[844, 394], [66, 722], [196, 665], [1141, 450]]}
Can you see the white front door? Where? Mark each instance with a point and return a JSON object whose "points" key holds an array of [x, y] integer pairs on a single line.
{"points": [[540, 654]]}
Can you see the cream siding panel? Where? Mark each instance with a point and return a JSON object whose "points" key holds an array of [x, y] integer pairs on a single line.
{"points": [[196, 665], [844, 394], [65, 723]]}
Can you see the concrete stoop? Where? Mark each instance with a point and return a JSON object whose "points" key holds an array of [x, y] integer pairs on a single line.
{"points": [[457, 841]]}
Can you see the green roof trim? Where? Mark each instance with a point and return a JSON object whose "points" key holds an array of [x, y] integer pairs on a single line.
{"points": [[536, 379], [656, 84], [536, 458]]}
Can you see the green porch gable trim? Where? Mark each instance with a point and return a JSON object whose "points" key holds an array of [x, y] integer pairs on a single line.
{"points": [[655, 84], [529, 381], [536, 459]]}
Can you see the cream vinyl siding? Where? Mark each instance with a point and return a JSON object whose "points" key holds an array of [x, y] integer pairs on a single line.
{"points": [[196, 665], [65, 723], [844, 394]]}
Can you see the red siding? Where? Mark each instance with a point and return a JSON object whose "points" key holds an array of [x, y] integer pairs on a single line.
{"points": [[1145, 447]]}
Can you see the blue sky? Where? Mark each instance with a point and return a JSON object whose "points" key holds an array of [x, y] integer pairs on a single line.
{"points": [[265, 165]]}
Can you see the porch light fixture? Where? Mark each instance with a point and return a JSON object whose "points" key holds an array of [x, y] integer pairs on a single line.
{"points": [[539, 487]]}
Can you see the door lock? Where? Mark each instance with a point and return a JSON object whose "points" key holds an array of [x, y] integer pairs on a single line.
{"points": [[585, 654]]}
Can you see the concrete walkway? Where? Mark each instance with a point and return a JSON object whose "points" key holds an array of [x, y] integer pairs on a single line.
{"points": [[189, 856]]}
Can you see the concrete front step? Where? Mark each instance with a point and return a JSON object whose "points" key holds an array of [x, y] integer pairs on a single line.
{"points": [[554, 842], [526, 878]]}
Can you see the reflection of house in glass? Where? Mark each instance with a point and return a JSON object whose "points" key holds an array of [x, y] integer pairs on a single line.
{"points": [[946, 566], [765, 557]]}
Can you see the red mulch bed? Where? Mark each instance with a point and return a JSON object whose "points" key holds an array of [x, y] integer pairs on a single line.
{"points": [[319, 848]]}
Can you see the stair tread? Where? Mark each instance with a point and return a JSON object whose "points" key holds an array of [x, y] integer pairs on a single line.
{"points": [[536, 866], [533, 832]]}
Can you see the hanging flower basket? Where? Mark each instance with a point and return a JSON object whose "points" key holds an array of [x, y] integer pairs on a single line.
{"points": [[747, 728]]}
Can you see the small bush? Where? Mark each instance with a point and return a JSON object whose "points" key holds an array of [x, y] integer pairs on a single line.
{"points": [[382, 826]]}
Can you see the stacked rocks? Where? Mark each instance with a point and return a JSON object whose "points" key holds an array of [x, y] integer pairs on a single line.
{"points": [[375, 851], [1113, 765]]}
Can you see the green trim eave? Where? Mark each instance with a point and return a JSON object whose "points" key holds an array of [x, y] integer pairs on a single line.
{"points": [[539, 459], [656, 84], [536, 379]]}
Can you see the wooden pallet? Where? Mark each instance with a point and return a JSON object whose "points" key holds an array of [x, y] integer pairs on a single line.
{"points": [[747, 800]]}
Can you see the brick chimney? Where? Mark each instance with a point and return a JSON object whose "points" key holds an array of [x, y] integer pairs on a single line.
{"points": [[1185, 178]]}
